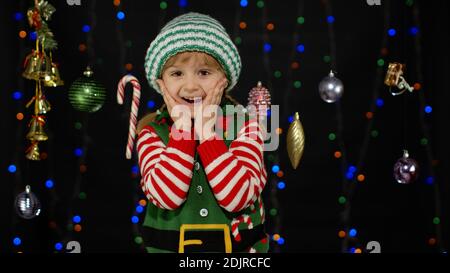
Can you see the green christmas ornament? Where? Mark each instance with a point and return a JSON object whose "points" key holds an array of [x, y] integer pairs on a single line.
{"points": [[86, 94]]}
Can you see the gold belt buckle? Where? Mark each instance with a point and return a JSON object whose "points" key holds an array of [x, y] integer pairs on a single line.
{"points": [[185, 227]]}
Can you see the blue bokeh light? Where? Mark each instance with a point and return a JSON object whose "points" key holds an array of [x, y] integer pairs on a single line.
{"points": [[120, 15], [17, 241], [49, 183], [17, 95], [275, 168], [267, 47], [12, 168], [392, 32]]}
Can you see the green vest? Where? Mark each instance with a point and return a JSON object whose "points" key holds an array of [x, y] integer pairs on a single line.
{"points": [[201, 206]]}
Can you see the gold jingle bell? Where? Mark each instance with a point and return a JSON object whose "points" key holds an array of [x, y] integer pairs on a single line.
{"points": [[32, 152], [43, 106], [36, 132], [37, 66], [33, 64], [54, 79]]}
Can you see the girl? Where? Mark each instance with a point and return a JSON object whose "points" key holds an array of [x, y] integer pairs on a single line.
{"points": [[205, 195]]}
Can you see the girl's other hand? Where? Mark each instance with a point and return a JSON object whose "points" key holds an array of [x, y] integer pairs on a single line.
{"points": [[206, 111]]}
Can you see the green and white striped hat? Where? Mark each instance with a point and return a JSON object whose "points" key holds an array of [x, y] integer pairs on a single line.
{"points": [[192, 32]]}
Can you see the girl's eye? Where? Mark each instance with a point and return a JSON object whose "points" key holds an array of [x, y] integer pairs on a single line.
{"points": [[204, 72], [175, 74]]}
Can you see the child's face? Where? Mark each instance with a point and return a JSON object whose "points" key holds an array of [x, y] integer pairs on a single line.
{"points": [[191, 75]]}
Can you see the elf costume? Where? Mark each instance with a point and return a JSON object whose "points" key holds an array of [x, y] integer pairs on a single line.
{"points": [[203, 197]]}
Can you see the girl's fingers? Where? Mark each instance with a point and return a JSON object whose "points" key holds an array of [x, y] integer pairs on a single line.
{"points": [[218, 91]]}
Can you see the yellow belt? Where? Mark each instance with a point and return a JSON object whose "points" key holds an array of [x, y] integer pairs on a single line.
{"points": [[185, 227]]}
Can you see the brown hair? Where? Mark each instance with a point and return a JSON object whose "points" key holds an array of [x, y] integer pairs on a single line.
{"points": [[208, 59]]}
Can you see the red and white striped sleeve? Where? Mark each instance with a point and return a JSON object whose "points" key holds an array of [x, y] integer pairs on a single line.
{"points": [[166, 170], [237, 175]]}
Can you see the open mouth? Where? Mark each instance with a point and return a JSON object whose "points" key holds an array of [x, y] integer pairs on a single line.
{"points": [[192, 100]]}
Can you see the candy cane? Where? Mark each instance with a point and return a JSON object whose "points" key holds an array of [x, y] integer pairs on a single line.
{"points": [[134, 108], [244, 218], [261, 210], [260, 207]]}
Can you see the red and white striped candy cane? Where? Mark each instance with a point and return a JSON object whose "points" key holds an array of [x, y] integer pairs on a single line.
{"points": [[134, 108], [244, 218], [260, 207]]}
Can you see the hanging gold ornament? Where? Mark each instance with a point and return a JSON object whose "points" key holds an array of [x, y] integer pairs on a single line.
{"points": [[43, 105], [37, 132], [295, 141], [394, 78], [38, 66], [54, 79], [32, 153], [33, 66]]}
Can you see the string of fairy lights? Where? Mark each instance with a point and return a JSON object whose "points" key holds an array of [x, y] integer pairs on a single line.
{"points": [[125, 49], [277, 173], [346, 171], [276, 181], [348, 233], [435, 237], [354, 174], [18, 95], [60, 235]]}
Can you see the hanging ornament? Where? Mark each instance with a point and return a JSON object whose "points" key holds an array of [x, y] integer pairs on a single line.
{"points": [[32, 153], [406, 169], [37, 17], [394, 78], [259, 100], [43, 105], [37, 66], [134, 108], [45, 9], [331, 88], [37, 132], [295, 141], [53, 79], [27, 204], [86, 94]]}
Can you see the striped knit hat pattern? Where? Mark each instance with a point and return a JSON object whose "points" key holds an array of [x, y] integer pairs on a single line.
{"points": [[192, 32]]}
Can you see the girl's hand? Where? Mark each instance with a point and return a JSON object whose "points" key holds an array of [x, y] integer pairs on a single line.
{"points": [[205, 112], [181, 120]]}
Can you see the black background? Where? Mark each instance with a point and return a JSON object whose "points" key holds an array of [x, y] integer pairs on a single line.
{"points": [[398, 216]]}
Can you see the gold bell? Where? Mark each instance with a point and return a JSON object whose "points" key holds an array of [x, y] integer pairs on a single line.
{"points": [[46, 69], [55, 79], [43, 106], [37, 66], [33, 64], [36, 132], [32, 152]]}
